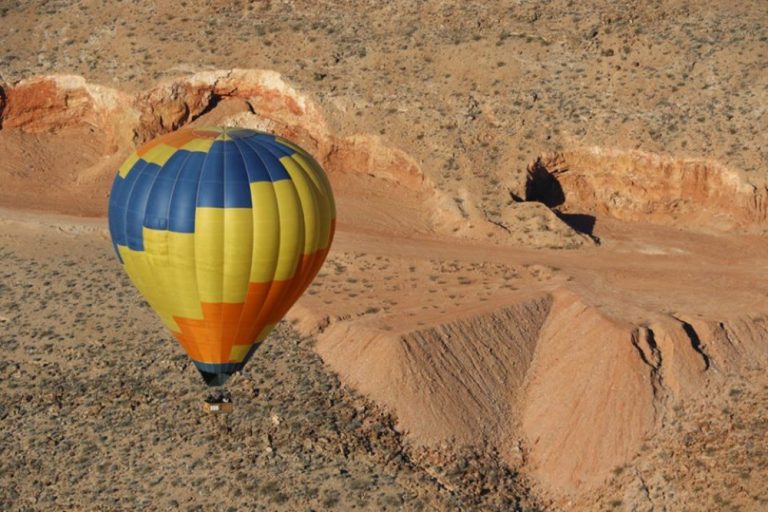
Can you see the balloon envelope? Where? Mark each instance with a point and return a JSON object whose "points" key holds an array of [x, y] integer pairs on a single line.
{"points": [[221, 230]]}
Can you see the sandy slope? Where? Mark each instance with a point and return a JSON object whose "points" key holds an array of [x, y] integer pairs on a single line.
{"points": [[578, 365]]}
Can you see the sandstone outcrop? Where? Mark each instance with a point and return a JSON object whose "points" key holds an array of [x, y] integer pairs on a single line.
{"points": [[638, 186], [88, 129]]}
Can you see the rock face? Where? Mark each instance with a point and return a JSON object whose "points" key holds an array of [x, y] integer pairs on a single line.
{"points": [[637, 186], [55, 103], [41, 112], [578, 419], [370, 155], [88, 129], [175, 103]]}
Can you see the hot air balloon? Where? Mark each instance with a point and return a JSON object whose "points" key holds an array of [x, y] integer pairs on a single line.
{"points": [[221, 230]]}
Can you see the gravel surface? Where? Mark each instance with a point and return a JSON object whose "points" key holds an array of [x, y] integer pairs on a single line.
{"points": [[101, 410]]}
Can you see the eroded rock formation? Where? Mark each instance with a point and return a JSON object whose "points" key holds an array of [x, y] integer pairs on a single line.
{"points": [[63, 129], [638, 186], [175, 103], [577, 389]]}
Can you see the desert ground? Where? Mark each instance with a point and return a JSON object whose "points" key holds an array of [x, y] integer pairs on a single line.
{"points": [[547, 290]]}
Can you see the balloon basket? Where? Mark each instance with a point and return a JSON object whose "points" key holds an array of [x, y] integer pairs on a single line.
{"points": [[218, 408], [218, 403]]}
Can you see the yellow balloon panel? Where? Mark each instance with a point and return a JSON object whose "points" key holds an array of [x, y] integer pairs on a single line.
{"points": [[221, 230]]}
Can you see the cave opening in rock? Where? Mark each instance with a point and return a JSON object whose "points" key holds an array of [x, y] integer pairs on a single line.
{"points": [[212, 103], [543, 186]]}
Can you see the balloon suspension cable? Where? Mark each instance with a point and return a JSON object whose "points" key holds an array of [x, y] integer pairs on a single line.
{"points": [[218, 402]]}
